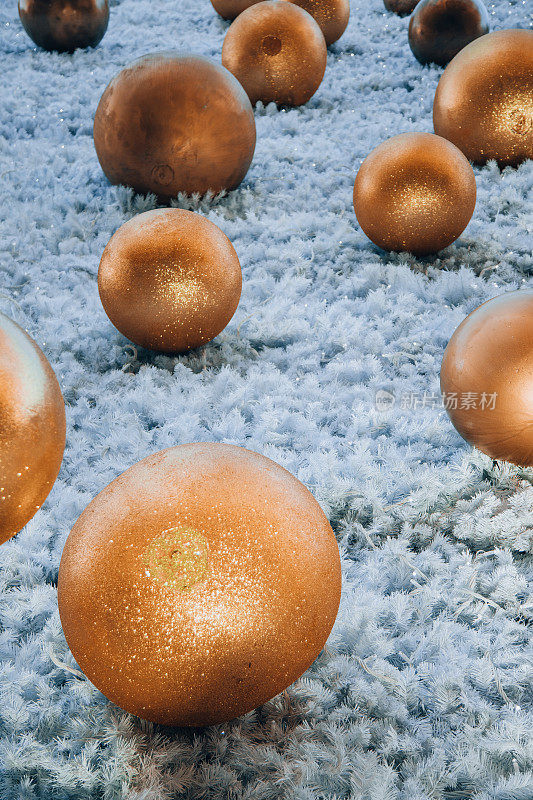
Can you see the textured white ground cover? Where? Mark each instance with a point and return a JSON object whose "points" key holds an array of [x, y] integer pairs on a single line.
{"points": [[425, 690]]}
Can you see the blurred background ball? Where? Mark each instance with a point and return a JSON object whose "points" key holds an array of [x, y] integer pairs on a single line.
{"points": [[400, 7], [277, 52], [439, 29], [415, 192], [64, 25], [199, 584], [484, 99], [332, 16], [172, 123], [32, 428], [488, 368], [169, 280]]}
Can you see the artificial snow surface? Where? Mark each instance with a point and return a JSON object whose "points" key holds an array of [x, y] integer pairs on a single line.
{"points": [[425, 689]]}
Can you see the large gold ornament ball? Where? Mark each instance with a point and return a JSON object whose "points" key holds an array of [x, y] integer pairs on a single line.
{"points": [[172, 123], [64, 25], [484, 99], [487, 378], [170, 280], [415, 192], [32, 428], [199, 584], [439, 29], [277, 52]]}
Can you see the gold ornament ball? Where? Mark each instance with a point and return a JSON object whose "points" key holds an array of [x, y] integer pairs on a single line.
{"points": [[487, 378], [170, 280], [415, 192], [171, 123], [277, 52], [64, 25], [484, 99], [32, 429], [199, 584]]}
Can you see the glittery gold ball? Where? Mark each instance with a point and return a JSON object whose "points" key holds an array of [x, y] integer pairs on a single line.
{"points": [[32, 428], [199, 584], [170, 280], [277, 52], [484, 99], [415, 192]]}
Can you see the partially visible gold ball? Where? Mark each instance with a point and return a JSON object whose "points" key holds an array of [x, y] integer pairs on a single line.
{"points": [[332, 16], [229, 9], [487, 378], [400, 7], [170, 280], [32, 428], [484, 99], [171, 122], [415, 192], [277, 52], [199, 584]]}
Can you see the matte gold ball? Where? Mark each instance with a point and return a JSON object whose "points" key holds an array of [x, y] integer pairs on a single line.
{"points": [[170, 280], [64, 25], [415, 192], [439, 29], [277, 52], [171, 123], [487, 378], [199, 584], [484, 99], [32, 428]]}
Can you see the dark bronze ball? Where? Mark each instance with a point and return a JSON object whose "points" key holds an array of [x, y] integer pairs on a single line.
{"points": [[438, 29], [484, 100], [400, 7], [64, 25], [487, 378], [171, 123]]}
